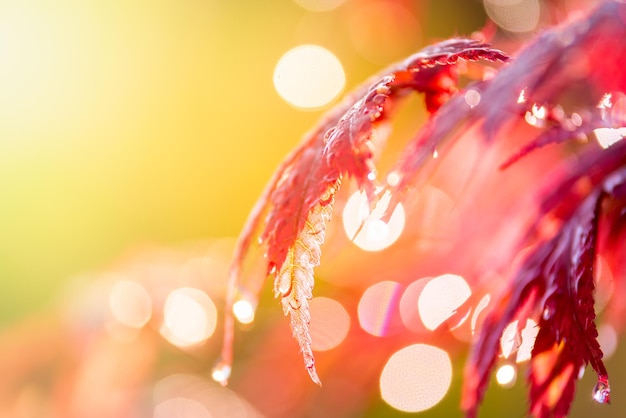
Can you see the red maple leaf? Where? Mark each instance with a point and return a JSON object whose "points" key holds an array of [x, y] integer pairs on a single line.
{"points": [[555, 84], [306, 181]]}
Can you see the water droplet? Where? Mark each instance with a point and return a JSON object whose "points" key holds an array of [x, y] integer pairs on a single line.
{"points": [[602, 391], [435, 154], [221, 372], [581, 372], [371, 176], [472, 98], [548, 310], [243, 310]]}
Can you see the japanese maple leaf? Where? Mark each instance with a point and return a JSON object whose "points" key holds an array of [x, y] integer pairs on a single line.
{"points": [[555, 282], [297, 203]]}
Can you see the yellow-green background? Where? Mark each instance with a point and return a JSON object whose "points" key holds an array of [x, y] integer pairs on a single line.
{"points": [[132, 122]]}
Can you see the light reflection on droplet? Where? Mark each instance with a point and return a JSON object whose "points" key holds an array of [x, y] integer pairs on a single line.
{"points": [[472, 97], [514, 15], [329, 324], [189, 317], [602, 391], [506, 375], [221, 373], [180, 407], [374, 234], [440, 299], [243, 311], [378, 308], [520, 342], [319, 5], [309, 76], [416, 378], [130, 303]]}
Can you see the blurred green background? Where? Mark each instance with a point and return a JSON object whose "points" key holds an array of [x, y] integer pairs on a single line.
{"points": [[125, 123]]}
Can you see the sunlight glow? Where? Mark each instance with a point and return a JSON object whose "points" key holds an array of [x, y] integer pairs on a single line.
{"points": [[440, 299], [319, 5], [522, 343], [416, 378], [130, 303], [378, 308], [329, 324], [514, 15], [506, 375], [375, 234], [189, 317], [309, 77], [243, 311]]}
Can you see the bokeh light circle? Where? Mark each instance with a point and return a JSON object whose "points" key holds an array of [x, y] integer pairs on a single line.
{"points": [[180, 407], [416, 378], [506, 375], [130, 303], [330, 323], [518, 341], [368, 231], [309, 77], [514, 15], [440, 299], [408, 305], [189, 317], [378, 309]]}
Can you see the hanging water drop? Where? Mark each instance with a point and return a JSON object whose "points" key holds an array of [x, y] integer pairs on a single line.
{"points": [[221, 372], [602, 391], [243, 310]]}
